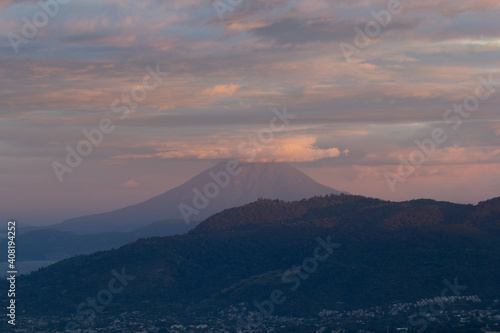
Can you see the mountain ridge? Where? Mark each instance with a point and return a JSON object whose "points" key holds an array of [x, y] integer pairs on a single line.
{"points": [[387, 253], [273, 180], [153, 217]]}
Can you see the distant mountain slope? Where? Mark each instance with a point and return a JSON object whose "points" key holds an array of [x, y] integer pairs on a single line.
{"points": [[389, 251], [55, 245], [50, 244], [255, 180]]}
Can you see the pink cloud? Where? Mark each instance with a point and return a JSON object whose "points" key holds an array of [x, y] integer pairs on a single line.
{"points": [[224, 90], [130, 184]]}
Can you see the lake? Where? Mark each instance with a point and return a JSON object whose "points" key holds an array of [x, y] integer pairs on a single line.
{"points": [[25, 267]]}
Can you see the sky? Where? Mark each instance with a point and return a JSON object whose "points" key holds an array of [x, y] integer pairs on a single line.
{"points": [[395, 100]]}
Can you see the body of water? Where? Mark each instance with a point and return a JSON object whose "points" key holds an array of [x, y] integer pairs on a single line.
{"points": [[25, 267]]}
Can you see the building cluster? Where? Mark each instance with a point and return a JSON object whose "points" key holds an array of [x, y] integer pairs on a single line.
{"points": [[394, 318]]}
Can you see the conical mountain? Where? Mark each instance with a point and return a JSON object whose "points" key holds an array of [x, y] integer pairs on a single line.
{"points": [[226, 185]]}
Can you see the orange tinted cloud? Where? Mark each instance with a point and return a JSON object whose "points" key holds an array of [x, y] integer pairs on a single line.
{"points": [[291, 149], [224, 90]]}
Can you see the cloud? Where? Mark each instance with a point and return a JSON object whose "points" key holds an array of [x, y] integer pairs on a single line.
{"points": [[225, 78], [300, 31], [130, 184], [224, 90], [300, 149], [451, 8], [293, 149], [7, 3]]}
